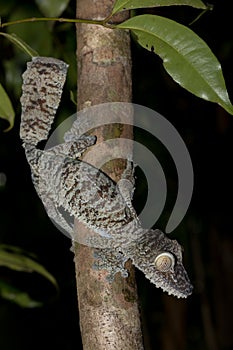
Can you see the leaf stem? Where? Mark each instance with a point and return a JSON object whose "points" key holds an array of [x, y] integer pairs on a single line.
{"points": [[57, 19]]}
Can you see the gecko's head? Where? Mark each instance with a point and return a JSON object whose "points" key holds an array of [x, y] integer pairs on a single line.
{"points": [[160, 259]]}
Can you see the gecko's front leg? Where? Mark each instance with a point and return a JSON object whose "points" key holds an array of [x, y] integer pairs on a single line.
{"points": [[110, 260]]}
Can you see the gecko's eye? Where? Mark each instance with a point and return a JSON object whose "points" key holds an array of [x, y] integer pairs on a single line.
{"points": [[165, 262]]}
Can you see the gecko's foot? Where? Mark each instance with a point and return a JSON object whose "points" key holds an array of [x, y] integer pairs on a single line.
{"points": [[112, 261]]}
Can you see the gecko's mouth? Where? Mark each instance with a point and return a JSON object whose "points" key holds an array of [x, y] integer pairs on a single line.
{"points": [[180, 288]]}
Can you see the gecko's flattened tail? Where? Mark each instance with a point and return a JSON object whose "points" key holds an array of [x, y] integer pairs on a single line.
{"points": [[43, 83]]}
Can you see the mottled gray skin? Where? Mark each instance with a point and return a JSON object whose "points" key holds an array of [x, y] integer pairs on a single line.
{"points": [[66, 184]]}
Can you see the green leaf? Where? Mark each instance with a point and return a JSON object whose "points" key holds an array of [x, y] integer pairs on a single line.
{"points": [[121, 5], [52, 8], [73, 98], [13, 258], [186, 57], [9, 292], [6, 109], [21, 44]]}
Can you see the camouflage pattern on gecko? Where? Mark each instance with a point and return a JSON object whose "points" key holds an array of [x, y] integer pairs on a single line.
{"points": [[66, 184]]}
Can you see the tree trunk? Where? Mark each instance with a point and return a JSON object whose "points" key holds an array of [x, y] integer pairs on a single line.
{"points": [[109, 315]]}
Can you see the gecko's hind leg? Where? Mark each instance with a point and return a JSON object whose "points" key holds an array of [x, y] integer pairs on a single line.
{"points": [[73, 148]]}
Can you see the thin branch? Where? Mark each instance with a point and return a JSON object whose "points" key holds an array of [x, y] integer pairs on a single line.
{"points": [[57, 19]]}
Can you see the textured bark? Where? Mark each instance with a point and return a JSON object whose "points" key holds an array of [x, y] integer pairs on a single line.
{"points": [[109, 315]]}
